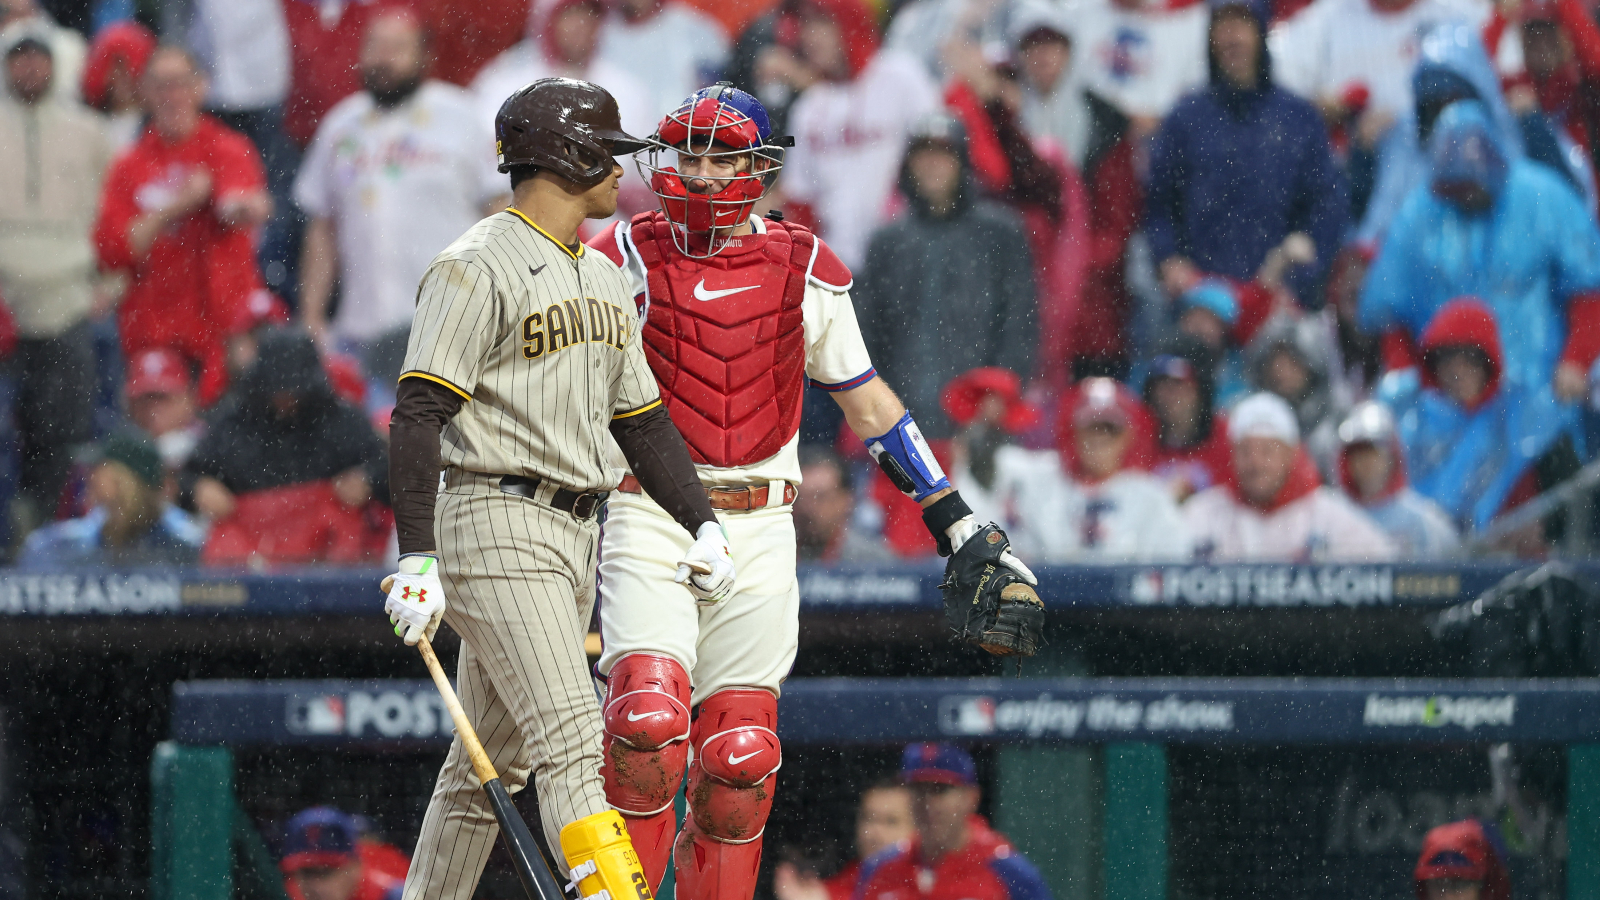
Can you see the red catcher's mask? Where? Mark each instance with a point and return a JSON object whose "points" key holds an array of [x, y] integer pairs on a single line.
{"points": [[720, 131]]}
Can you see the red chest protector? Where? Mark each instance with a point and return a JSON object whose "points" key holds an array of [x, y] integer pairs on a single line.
{"points": [[726, 338]]}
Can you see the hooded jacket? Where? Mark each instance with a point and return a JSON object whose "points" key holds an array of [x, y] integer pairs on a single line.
{"points": [[1466, 850], [128, 44], [1320, 410], [1234, 172], [1204, 462], [250, 448], [858, 31], [1416, 524], [1533, 258], [1467, 460], [1455, 52], [940, 296]]}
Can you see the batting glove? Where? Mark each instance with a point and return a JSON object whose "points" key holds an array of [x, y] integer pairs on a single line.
{"points": [[416, 598], [707, 569], [967, 527]]}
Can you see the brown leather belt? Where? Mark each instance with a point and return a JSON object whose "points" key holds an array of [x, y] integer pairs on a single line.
{"points": [[579, 506], [741, 498]]}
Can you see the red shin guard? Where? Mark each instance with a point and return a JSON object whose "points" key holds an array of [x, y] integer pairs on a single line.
{"points": [[646, 745], [730, 795]]}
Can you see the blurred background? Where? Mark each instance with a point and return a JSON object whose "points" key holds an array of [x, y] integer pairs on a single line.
{"points": [[1268, 330]]}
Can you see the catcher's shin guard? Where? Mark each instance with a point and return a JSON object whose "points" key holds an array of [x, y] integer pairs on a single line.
{"points": [[646, 717], [602, 861], [730, 795]]}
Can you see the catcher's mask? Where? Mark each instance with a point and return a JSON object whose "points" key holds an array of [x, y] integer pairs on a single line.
{"points": [[716, 123]]}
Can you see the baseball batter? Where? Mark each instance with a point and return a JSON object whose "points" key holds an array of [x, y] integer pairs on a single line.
{"points": [[738, 312], [524, 353]]}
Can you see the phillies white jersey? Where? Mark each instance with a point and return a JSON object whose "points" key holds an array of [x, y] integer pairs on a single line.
{"points": [[850, 138], [1141, 61], [371, 169], [1053, 518], [674, 52], [1334, 44], [1322, 526]]}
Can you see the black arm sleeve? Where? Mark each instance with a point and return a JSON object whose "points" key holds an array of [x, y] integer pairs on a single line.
{"points": [[660, 460], [420, 413]]}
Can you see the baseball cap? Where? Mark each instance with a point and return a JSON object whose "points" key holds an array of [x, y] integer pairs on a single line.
{"points": [[133, 449], [157, 371], [937, 764], [319, 837], [1369, 423], [966, 392], [1171, 366], [1218, 297], [1264, 415], [939, 129], [1099, 402]]}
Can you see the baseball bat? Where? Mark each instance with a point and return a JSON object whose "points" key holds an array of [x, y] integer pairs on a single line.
{"points": [[537, 880]]}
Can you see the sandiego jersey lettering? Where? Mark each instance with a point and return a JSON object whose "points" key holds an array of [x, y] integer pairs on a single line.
{"points": [[542, 341], [573, 322]]}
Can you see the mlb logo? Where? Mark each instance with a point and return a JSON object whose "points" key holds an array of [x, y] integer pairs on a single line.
{"points": [[316, 715], [1147, 587], [967, 715]]}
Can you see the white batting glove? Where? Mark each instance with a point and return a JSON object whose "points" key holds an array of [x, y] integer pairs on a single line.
{"points": [[967, 527], [707, 569], [416, 597]]}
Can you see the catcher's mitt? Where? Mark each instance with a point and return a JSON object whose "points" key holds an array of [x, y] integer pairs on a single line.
{"points": [[988, 604]]}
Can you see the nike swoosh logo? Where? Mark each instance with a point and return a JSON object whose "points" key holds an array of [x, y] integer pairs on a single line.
{"points": [[735, 760], [533, 271], [700, 292], [634, 718]]}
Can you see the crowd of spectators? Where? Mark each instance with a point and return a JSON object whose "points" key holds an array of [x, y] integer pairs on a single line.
{"points": [[1276, 280]]}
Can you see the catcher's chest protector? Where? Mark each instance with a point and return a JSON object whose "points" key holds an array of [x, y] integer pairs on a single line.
{"points": [[726, 338]]}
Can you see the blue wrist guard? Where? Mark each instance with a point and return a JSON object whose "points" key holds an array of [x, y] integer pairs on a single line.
{"points": [[904, 456]]}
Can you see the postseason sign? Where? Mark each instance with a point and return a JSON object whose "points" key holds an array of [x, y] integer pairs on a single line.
{"points": [[1305, 586], [887, 711]]}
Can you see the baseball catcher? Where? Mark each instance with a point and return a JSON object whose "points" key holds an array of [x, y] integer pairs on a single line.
{"points": [[739, 313]]}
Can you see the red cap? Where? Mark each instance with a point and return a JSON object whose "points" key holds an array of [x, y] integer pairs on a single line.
{"points": [[261, 307], [965, 393], [1100, 400], [344, 373], [157, 371]]}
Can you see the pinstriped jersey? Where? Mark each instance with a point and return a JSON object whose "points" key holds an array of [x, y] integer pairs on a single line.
{"points": [[544, 345]]}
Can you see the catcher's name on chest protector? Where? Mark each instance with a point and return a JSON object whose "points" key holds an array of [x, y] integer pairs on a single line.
{"points": [[725, 337]]}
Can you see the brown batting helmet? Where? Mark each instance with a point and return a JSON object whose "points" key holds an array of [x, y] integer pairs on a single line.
{"points": [[570, 127]]}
